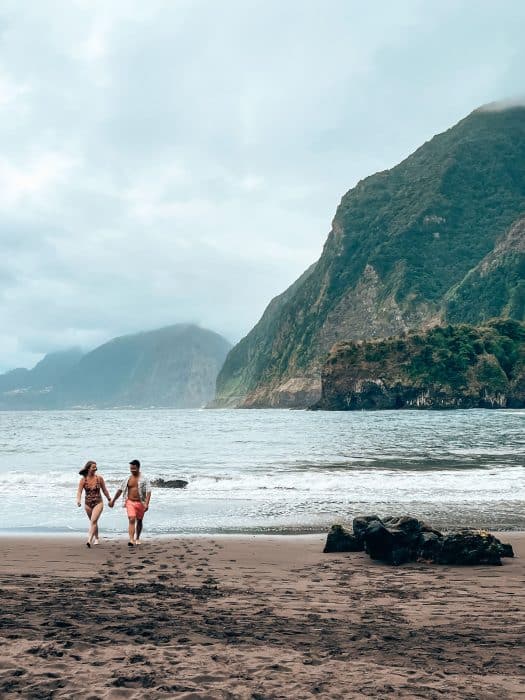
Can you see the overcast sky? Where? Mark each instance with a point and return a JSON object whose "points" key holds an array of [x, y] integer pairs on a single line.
{"points": [[181, 160]]}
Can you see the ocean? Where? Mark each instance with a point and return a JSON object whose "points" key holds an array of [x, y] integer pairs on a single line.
{"points": [[273, 471]]}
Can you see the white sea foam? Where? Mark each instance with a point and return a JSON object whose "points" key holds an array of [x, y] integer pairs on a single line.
{"points": [[268, 469]]}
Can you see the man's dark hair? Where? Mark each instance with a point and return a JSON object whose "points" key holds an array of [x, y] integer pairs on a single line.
{"points": [[135, 463]]}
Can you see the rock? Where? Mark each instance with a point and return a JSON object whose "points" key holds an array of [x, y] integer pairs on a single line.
{"points": [[429, 546], [170, 484], [505, 550], [399, 539], [391, 545], [340, 540], [360, 524], [395, 539], [469, 547], [412, 527], [425, 527]]}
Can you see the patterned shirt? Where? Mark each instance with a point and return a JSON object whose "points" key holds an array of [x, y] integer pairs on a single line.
{"points": [[144, 488]]}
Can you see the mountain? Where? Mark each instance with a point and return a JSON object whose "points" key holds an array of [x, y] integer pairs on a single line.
{"points": [[244, 365], [174, 366], [53, 367], [453, 366], [496, 286], [436, 239], [30, 388], [170, 367]]}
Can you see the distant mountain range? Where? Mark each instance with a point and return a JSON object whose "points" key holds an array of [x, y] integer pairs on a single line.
{"points": [[173, 367], [438, 239]]}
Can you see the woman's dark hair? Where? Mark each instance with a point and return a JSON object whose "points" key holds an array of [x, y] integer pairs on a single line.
{"points": [[85, 469]]}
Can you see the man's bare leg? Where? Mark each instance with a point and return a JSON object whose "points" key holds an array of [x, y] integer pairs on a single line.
{"points": [[131, 530], [139, 531]]}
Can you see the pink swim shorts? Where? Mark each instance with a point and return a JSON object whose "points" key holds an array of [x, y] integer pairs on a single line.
{"points": [[135, 509]]}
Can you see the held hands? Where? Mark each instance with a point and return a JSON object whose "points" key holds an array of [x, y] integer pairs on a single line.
{"points": [[111, 503]]}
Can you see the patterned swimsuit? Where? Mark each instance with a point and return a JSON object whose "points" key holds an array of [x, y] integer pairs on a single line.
{"points": [[93, 496]]}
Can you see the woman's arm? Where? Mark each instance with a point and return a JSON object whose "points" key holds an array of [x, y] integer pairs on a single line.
{"points": [[79, 491], [104, 489]]}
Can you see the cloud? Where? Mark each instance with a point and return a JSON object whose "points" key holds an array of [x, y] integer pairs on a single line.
{"points": [[10, 92], [182, 160], [502, 105], [32, 179]]}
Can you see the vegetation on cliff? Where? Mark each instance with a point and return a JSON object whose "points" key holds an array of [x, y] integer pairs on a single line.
{"points": [[453, 366], [409, 248]]}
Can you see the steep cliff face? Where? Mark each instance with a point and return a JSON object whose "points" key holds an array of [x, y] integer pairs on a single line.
{"points": [[496, 286], [245, 363], [407, 248], [447, 367]]}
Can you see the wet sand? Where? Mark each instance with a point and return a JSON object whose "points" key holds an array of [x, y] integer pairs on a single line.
{"points": [[254, 618]]}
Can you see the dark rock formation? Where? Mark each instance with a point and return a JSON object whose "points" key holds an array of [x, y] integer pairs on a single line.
{"points": [[340, 540], [505, 550], [400, 539], [467, 547], [439, 238], [392, 540], [169, 484], [360, 524]]}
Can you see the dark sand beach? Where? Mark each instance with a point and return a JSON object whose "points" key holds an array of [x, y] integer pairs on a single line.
{"points": [[254, 617]]}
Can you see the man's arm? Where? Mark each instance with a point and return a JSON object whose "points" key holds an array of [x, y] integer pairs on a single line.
{"points": [[148, 494], [115, 498]]}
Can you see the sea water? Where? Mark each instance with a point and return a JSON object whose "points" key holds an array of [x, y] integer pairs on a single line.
{"points": [[266, 471]]}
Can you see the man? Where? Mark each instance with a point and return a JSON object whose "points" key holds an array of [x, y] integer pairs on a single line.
{"points": [[137, 494]]}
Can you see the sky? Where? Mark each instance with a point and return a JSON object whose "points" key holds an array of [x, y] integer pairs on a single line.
{"points": [[181, 161]]}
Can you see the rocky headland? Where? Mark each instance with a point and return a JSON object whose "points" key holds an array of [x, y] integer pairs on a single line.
{"points": [[458, 366]]}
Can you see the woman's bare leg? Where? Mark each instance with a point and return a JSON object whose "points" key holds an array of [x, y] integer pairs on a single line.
{"points": [[95, 515], [89, 513]]}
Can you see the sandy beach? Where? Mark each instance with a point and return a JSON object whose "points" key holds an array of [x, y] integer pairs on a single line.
{"points": [[254, 617]]}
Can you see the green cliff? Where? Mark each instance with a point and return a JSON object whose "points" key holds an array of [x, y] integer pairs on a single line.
{"points": [[437, 238], [454, 366]]}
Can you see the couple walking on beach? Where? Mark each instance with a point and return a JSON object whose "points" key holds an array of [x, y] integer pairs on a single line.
{"points": [[136, 491]]}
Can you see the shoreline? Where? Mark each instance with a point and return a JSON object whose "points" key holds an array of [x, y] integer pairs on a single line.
{"points": [[244, 617], [156, 537], [112, 536]]}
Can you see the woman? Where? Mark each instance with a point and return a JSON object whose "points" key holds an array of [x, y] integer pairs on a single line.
{"points": [[92, 484]]}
